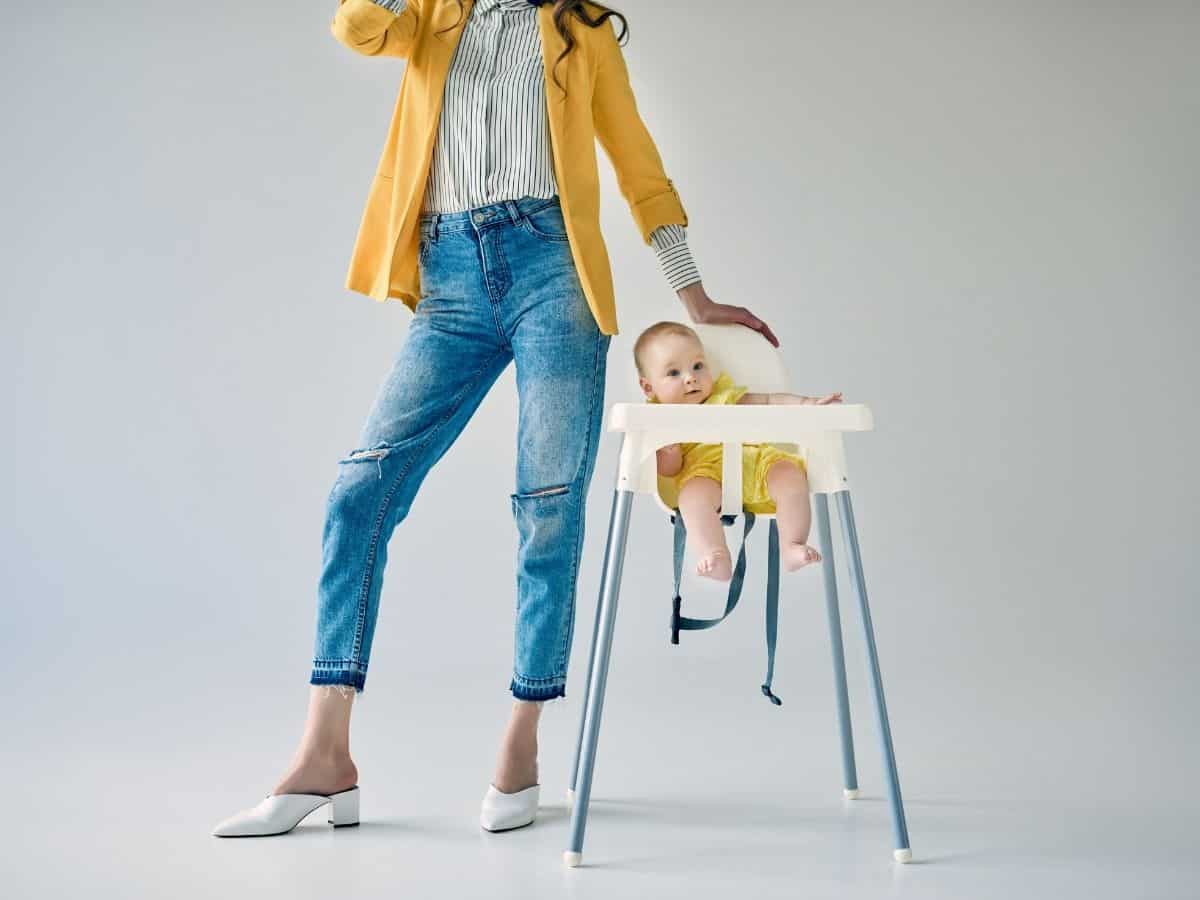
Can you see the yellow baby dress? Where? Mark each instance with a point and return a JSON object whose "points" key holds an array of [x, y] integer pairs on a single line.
{"points": [[705, 459]]}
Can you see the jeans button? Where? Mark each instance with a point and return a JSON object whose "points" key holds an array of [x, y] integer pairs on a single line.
{"points": [[479, 217]]}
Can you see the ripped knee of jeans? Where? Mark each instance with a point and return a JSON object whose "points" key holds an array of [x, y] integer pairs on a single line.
{"points": [[375, 454], [551, 491]]}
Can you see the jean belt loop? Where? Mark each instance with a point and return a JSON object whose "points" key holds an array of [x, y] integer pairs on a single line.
{"points": [[433, 227], [514, 211]]}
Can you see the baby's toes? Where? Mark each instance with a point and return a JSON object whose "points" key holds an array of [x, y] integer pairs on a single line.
{"points": [[715, 564], [797, 556]]}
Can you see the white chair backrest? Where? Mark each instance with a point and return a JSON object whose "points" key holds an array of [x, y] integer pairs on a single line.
{"points": [[747, 356]]}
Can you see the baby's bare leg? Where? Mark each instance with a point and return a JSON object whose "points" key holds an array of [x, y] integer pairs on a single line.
{"points": [[699, 502], [788, 487]]}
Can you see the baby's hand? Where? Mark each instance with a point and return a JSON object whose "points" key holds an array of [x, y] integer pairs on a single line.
{"points": [[835, 397], [669, 459]]}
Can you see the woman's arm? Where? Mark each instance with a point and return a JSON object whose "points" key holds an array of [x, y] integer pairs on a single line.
{"points": [[644, 184], [385, 28], [651, 195]]}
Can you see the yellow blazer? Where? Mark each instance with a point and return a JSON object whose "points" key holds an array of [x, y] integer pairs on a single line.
{"points": [[599, 104]]}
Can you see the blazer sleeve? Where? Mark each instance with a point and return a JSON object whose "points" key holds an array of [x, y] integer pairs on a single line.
{"points": [[651, 195], [674, 255], [377, 29]]}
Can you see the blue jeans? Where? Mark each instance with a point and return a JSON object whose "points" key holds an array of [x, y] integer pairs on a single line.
{"points": [[497, 284]]}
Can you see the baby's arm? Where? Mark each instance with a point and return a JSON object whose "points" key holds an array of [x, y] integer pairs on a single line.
{"points": [[670, 460], [777, 399]]}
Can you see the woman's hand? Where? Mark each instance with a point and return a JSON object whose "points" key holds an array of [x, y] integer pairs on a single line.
{"points": [[706, 311]]}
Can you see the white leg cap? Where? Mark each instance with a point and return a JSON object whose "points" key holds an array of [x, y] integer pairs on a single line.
{"points": [[570, 796], [850, 793], [902, 855], [572, 859]]}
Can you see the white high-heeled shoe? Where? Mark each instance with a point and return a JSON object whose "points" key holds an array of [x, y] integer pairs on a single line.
{"points": [[503, 812], [280, 813]]}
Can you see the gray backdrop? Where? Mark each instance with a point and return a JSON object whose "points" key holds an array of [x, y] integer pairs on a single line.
{"points": [[979, 219]]}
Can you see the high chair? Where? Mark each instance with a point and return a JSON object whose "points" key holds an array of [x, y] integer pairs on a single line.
{"points": [[817, 432]]}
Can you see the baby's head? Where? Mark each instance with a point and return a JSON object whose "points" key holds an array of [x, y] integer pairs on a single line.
{"points": [[671, 365]]}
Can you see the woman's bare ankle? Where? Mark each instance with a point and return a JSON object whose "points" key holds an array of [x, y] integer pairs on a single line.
{"points": [[319, 773], [516, 763], [322, 763]]}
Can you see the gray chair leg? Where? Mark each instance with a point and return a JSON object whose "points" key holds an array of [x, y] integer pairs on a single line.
{"points": [[587, 685], [902, 852], [829, 574], [610, 586]]}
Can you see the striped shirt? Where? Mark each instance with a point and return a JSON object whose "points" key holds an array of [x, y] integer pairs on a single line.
{"points": [[493, 140]]}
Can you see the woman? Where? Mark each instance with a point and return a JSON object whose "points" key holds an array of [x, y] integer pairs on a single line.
{"points": [[487, 227]]}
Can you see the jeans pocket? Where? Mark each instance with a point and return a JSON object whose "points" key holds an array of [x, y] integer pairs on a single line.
{"points": [[546, 224]]}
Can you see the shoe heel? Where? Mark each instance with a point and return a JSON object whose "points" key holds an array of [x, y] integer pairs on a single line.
{"points": [[343, 807]]}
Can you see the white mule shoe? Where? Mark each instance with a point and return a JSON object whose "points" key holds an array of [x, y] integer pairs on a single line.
{"points": [[502, 812], [280, 813]]}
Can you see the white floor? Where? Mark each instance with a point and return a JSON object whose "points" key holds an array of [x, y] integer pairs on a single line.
{"points": [[688, 802]]}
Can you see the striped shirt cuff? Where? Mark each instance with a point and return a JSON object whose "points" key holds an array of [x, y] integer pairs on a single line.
{"points": [[670, 243], [396, 6]]}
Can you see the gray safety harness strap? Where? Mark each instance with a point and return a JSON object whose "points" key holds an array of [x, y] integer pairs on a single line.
{"points": [[681, 622]]}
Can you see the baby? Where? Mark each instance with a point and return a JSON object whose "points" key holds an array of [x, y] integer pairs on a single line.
{"points": [[672, 369]]}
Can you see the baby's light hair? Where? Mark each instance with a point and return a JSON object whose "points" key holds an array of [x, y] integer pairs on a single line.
{"points": [[658, 329]]}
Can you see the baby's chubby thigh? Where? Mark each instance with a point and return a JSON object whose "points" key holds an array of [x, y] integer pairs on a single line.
{"points": [[702, 461], [757, 461]]}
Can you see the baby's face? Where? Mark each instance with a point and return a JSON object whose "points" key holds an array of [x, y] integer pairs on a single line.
{"points": [[676, 370]]}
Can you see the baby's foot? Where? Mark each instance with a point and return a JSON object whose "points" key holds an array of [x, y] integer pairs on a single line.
{"points": [[716, 564], [795, 556]]}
